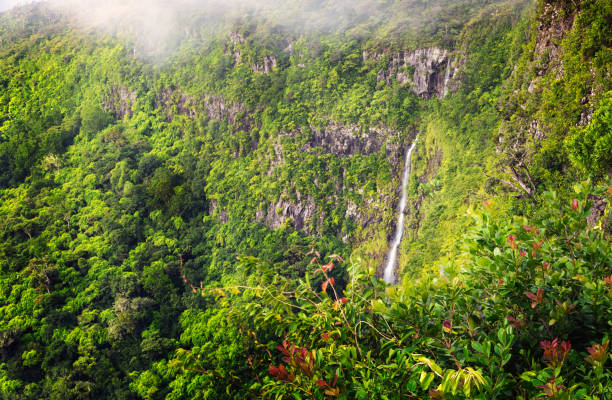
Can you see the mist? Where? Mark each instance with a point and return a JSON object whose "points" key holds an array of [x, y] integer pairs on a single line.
{"points": [[6, 5], [159, 26]]}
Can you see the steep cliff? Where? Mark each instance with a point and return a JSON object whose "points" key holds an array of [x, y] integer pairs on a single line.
{"points": [[428, 71], [562, 79], [342, 141]]}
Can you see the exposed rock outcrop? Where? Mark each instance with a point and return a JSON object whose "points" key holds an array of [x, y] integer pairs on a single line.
{"points": [[268, 65], [174, 102], [433, 160], [342, 141], [428, 71], [213, 209], [598, 209], [554, 23], [233, 49], [347, 140], [119, 101], [300, 213], [218, 109]]}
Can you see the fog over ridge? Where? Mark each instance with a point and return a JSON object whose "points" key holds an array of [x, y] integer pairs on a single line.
{"points": [[159, 25]]}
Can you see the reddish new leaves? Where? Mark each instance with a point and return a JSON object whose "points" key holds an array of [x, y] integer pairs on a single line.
{"points": [[515, 322], [447, 326], [598, 353], [281, 373], [300, 359], [300, 362], [575, 205], [329, 386], [536, 298], [551, 389], [555, 352], [330, 281], [512, 241], [536, 247]]}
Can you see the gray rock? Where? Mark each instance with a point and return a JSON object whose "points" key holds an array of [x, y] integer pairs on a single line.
{"points": [[119, 101], [428, 71]]}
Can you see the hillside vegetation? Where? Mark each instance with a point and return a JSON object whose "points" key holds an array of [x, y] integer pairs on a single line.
{"points": [[206, 217]]}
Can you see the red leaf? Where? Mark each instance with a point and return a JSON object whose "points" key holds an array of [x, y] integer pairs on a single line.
{"points": [[273, 370], [321, 383], [282, 350], [324, 286], [527, 228], [344, 300], [303, 352], [536, 298], [283, 370], [574, 204], [336, 256], [566, 346], [332, 281]]}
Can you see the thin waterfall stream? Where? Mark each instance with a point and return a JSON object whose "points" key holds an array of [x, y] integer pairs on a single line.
{"points": [[446, 78], [389, 271]]}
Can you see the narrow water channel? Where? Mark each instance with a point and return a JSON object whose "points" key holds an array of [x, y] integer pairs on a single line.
{"points": [[390, 268]]}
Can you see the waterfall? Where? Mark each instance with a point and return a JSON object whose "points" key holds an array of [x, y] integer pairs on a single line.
{"points": [[446, 78], [389, 271]]}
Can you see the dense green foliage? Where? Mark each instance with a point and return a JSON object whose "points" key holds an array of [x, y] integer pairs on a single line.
{"points": [[174, 229], [528, 302]]}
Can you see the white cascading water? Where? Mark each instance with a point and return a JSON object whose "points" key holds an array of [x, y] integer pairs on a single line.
{"points": [[389, 272], [446, 78]]}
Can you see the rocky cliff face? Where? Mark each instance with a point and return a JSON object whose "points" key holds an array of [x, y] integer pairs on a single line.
{"points": [[174, 102], [428, 71], [119, 101], [342, 141], [346, 140], [537, 78], [267, 65], [233, 49], [300, 214]]}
